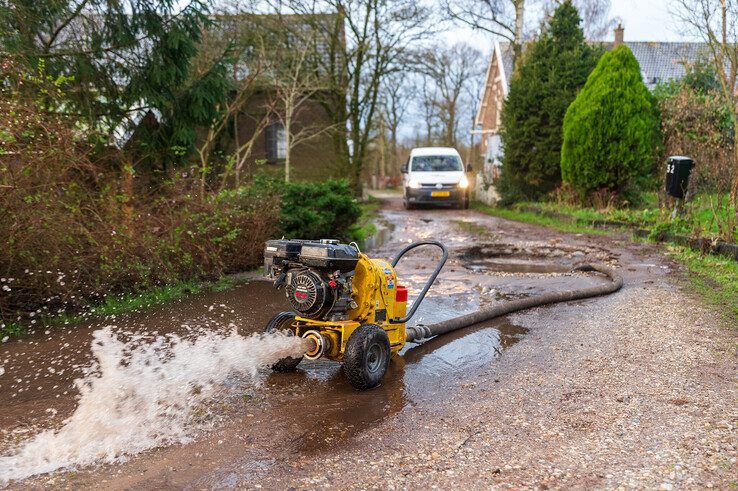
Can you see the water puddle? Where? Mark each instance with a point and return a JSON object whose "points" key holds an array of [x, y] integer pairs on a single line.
{"points": [[151, 378], [382, 235]]}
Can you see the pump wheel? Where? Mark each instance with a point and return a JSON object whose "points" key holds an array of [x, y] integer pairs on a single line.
{"points": [[367, 357], [283, 322]]}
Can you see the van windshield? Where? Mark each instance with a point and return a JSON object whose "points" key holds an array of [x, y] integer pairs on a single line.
{"points": [[436, 163]]}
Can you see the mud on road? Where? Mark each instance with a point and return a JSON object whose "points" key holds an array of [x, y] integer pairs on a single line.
{"points": [[634, 389]]}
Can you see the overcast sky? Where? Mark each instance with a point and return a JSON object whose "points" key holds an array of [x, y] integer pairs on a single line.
{"points": [[647, 20], [643, 20]]}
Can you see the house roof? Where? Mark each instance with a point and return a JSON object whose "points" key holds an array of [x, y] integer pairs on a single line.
{"points": [[659, 61], [506, 51]]}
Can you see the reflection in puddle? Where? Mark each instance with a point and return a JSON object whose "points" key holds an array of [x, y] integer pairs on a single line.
{"points": [[468, 349], [382, 235], [316, 402]]}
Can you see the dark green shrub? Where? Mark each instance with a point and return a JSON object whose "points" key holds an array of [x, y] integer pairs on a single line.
{"points": [[555, 67], [611, 130], [318, 210]]}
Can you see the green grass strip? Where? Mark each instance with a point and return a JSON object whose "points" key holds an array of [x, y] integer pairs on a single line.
{"points": [[536, 219], [715, 278]]}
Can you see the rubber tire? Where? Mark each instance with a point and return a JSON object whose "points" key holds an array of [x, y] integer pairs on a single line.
{"points": [[282, 322], [364, 342], [408, 206]]}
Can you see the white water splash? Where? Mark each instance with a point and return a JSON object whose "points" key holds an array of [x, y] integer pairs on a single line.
{"points": [[140, 396]]}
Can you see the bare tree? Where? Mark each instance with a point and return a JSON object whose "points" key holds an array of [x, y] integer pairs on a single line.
{"points": [[501, 18], [396, 96], [427, 100], [596, 20], [234, 42], [355, 50], [716, 22], [472, 92], [450, 70], [295, 87]]}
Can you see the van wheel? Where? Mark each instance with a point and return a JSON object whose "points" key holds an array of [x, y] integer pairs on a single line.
{"points": [[408, 206]]}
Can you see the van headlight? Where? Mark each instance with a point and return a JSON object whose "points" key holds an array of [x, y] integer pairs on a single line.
{"points": [[413, 183], [463, 182]]}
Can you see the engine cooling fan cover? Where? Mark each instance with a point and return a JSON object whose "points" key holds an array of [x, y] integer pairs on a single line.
{"points": [[309, 294]]}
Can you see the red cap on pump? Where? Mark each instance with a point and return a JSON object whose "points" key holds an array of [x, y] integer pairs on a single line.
{"points": [[401, 295]]}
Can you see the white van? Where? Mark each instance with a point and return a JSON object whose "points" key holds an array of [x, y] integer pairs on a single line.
{"points": [[435, 175]]}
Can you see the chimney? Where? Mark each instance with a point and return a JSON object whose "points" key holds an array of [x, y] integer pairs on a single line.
{"points": [[618, 35]]}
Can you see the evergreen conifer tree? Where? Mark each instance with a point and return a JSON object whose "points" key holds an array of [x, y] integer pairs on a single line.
{"points": [[612, 130], [117, 57], [553, 70]]}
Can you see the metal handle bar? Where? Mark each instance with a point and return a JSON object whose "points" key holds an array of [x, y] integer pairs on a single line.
{"points": [[428, 283]]}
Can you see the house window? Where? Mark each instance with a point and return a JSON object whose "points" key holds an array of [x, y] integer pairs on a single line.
{"points": [[276, 142]]}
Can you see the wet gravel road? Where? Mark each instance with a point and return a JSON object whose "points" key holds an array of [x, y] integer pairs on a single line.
{"points": [[637, 389]]}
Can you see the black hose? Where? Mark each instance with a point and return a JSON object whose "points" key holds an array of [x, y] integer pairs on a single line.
{"points": [[431, 278], [416, 333]]}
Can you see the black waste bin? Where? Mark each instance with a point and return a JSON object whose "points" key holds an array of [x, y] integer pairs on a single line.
{"points": [[677, 175]]}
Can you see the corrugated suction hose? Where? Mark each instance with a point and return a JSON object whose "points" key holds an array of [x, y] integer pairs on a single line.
{"points": [[416, 333]]}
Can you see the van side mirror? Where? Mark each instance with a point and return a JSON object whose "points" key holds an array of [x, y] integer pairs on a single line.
{"points": [[404, 169], [469, 168]]}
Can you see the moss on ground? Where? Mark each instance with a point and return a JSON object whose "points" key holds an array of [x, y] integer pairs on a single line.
{"points": [[715, 278]]}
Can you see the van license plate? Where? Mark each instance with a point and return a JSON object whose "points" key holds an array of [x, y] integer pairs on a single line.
{"points": [[440, 194]]}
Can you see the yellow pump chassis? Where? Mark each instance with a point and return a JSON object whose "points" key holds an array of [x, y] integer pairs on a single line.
{"points": [[377, 303], [371, 330]]}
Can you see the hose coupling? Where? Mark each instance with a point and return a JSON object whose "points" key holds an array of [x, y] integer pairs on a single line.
{"points": [[417, 333], [318, 344]]}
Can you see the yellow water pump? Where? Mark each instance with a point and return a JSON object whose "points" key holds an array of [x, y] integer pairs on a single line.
{"points": [[348, 305]]}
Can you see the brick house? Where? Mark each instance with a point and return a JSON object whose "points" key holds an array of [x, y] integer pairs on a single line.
{"points": [[312, 159]]}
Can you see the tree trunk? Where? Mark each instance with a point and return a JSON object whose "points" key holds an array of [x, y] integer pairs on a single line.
{"points": [[288, 144], [237, 165], [393, 150], [519, 32], [450, 133], [382, 153], [734, 187], [127, 188]]}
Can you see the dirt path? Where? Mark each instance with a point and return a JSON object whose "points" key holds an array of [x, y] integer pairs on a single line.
{"points": [[634, 389]]}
